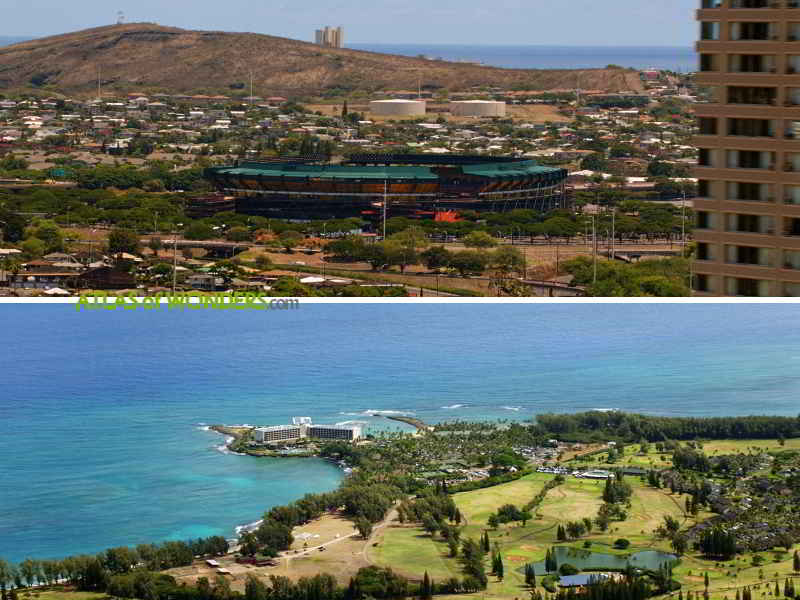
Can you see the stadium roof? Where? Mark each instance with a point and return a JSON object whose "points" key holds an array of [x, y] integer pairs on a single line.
{"points": [[330, 172], [520, 169], [393, 167]]}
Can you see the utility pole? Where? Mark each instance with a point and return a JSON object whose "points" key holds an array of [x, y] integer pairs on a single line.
{"points": [[683, 223], [558, 259], [251, 90], [594, 249], [324, 228], [174, 262], [524, 265], [385, 195], [613, 230]]}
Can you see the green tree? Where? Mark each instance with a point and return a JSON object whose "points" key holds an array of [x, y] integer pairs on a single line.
{"points": [[559, 227], [469, 262], [507, 260], [33, 247], [426, 593], [199, 231], [12, 226], [290, 240], [364, 527], [49, 233], [399, 254], [350, 248], [436, 257], [263, 262], [412, 237], [123, 240], [238, 234], [594, 162], [227, 270], [6, 575], [29, 569], [479, 239], [254, 589], [249, 544]]}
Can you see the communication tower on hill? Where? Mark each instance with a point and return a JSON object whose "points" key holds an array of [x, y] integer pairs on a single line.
{"points": [[120, 17]]}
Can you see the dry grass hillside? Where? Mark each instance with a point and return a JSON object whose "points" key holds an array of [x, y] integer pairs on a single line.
{"points": [[153, 58]]}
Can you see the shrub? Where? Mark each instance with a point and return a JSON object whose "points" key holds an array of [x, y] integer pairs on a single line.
{"points": [[568, 569], [621, 544], [549, 583]]}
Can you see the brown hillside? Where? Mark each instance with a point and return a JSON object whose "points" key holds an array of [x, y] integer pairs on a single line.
{"points": [[150, 57]]}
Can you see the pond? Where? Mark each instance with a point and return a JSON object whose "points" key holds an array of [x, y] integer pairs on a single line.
{"points": [[587, 559]]}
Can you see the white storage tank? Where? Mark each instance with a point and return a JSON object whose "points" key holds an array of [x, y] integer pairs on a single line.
{"points": [[397, 108], [478, 108]]}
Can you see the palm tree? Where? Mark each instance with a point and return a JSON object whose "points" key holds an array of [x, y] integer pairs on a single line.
{"points": [[6, 575]]}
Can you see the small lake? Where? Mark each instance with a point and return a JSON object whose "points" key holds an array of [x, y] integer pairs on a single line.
{"points": [[587, 559]]}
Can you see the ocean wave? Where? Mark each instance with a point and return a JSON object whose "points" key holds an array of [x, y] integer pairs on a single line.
{"points": [[605, 409], [247, 527], [223, 448], [514, 408], [371, 412], [345, 423], [453, 406], [203, 427]]}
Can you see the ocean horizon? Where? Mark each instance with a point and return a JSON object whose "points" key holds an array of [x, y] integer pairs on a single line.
{"points": [[671, 58], [104, 416]]}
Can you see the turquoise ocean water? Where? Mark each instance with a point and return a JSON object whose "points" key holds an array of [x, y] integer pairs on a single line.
{"points": [[102, 414]]}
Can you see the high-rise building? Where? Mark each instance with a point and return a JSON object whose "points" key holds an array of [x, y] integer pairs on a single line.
{"points": [[748, 205], [330, 37]]}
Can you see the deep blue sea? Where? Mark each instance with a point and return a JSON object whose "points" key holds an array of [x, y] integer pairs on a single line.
{"points": [[102, 413], [550, 57]]}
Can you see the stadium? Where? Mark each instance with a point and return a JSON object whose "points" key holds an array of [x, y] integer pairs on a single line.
{"points": [[415, 185]]}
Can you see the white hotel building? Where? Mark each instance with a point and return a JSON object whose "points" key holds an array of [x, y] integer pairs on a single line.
{"points": [[303, 429]]}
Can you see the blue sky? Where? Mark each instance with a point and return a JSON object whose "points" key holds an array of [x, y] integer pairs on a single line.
{"points": [[549, 22]]}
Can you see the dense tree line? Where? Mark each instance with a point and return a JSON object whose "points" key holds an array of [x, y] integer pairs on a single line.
{"points": [[90, 573], [667, 277], [616, 490], [633, 427], [717, 543], [472, 556], [689, 458]]}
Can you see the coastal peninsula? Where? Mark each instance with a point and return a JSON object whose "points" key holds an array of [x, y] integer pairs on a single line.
{"points": [[495, 508]]}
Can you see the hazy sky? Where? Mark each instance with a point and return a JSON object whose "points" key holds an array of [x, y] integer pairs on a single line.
{"points": [[551, 22]]}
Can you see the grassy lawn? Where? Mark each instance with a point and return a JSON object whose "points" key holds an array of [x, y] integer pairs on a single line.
{"points": [[745, 446], [411, 551], [477, 505], [573, 500]]}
